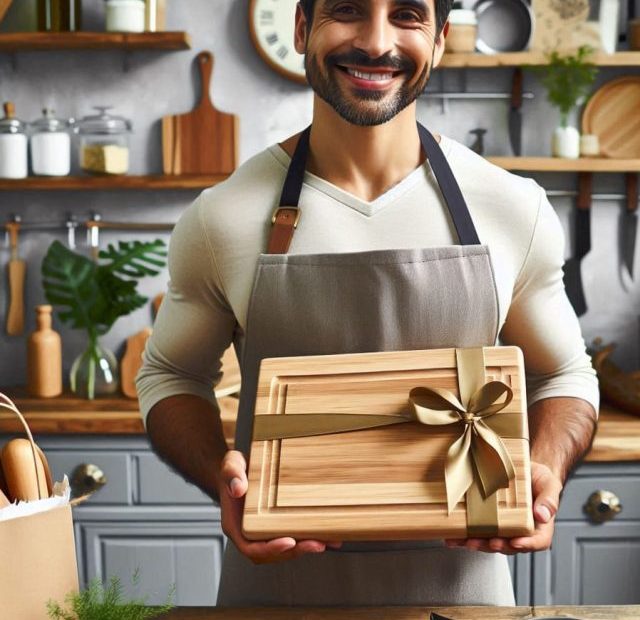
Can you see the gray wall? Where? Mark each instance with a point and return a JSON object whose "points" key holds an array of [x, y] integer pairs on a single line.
{"points": [[144, 86]]}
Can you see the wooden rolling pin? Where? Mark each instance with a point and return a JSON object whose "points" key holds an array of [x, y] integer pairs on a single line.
{"points": [[16, 273], [20, 475]]}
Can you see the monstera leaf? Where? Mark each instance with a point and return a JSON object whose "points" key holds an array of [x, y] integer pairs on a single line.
{"points": [[94, 296]]}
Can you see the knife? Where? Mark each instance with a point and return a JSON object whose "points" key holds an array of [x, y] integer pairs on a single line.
{"points": [[630, 223], [515, 113], [582, 245], [16, 273]]}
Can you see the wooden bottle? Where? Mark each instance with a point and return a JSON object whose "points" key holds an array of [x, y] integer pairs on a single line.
{"points": [[44, 357]]}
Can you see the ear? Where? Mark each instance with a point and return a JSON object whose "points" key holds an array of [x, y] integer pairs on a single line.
{"points": [[439, 45], [300, 32]]}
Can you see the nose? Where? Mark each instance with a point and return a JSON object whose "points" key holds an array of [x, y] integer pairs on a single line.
{"points": [[375, 35]]}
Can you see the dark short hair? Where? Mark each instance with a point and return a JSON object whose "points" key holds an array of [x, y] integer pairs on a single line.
{"points": [[443, 7]]}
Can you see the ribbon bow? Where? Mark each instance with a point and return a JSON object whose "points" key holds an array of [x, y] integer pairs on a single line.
{"points": [[479, 449]]}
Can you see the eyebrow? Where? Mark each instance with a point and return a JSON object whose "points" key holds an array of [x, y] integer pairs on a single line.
{"points": [[419, 5]]}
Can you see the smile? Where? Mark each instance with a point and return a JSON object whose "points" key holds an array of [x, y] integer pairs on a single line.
{"points": [[375, 80], [373, 77]]}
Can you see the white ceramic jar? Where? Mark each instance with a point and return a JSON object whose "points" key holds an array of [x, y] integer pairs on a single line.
{"points": [[13, 145], [125, 15], [463, 30], [50, 146], [566, 142]]}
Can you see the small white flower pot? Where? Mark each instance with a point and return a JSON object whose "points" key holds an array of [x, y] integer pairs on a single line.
{"points": [[566, 143]]}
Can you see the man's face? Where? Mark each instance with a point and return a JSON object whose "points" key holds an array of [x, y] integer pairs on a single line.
{"points": [[369, 59]]}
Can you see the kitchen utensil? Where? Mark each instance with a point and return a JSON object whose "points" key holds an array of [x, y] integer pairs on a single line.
{"points": [[629, 223], [22, 480], [202, 141], [478, 145], [582, 246], [503, 25], [132, 361], [13, 145], [4, 7], [16, 273], [336, 484], [613, 114], [515, 113]]}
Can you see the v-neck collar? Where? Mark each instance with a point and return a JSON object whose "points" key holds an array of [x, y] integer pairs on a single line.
{"points": [[367, 208]]}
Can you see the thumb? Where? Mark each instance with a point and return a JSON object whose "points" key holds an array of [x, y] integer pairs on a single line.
{"points": [[546, 490], [233, 473]]}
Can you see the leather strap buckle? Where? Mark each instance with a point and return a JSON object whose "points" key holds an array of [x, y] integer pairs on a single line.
{"points": [[278, 209]]}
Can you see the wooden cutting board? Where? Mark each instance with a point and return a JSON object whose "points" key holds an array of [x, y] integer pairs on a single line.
{"points": [[376, 484], [613, 114], [132, 361], [203, 141]]}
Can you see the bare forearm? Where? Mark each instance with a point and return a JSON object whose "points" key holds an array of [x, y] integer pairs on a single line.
{"points": [[186, 432], [561, 431]]}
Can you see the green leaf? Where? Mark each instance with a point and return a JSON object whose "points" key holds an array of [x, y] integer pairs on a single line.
{"points": [[135, 259]]}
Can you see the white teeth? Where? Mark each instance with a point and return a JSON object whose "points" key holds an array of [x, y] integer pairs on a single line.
{"points": [[374, 77]]}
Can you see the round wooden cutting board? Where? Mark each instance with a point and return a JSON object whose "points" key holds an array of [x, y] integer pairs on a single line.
{"points": [[613, 114]]}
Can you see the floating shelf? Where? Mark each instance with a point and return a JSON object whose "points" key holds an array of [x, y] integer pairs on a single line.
{"points": [[38, 41], [557, 164], [125, 182], [517, 59]]}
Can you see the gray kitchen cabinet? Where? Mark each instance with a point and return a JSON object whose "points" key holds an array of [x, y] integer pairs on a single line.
{"points": [[590, 563]]}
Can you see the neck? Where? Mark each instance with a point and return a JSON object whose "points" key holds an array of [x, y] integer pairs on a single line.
{"points": [[365, 161]]}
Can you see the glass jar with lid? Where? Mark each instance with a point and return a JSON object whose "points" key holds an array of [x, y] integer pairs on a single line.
{"points": [[13, 145], [50, 145], [104, 142]]}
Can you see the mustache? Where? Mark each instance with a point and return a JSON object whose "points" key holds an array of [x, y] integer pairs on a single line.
{"points": [[362, 59]]}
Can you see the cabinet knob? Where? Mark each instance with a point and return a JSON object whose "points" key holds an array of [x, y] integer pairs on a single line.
{"points": [[86, 479], [602, 506]]}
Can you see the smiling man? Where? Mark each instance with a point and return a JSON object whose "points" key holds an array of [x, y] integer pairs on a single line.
{"points": [[364, 233]]}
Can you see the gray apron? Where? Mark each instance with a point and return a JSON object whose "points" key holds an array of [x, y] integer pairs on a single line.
{"points": [[382, 300]]}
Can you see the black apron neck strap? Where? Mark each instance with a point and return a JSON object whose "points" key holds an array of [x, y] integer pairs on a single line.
{"points": [[444, 176]]}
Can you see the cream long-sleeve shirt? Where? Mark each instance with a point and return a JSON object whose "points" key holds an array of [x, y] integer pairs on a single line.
{"points": [[216, 244]]}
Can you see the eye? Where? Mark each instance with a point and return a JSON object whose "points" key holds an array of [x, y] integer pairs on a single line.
{"points": [[407, 15], [344, 10]]}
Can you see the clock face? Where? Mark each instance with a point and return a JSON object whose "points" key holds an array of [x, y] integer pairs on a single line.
{"points": [[272, 25]]}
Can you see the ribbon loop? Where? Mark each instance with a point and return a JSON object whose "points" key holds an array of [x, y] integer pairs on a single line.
{"points": [[479, 448]]}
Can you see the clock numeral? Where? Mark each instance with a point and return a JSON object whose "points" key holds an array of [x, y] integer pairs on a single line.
{"points": [[282, 52], [266, 18], [272, 39]]}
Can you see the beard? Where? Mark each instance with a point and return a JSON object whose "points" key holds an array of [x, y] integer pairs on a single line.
{"points": [[363, 107]]}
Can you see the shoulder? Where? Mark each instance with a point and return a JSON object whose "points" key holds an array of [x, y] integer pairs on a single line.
{"points": [[496, 197]]}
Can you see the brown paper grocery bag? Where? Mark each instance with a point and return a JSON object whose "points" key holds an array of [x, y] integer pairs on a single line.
{"points": [[37, 556]]}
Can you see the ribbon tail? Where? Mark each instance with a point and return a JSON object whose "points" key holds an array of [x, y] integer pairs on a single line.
{"points": [[493, 463], [458, 470]]}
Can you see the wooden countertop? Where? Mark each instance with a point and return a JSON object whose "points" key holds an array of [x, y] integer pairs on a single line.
{"points": [[617, 439], [613, 612]]}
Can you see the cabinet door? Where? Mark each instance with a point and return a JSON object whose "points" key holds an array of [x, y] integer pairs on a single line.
{"points": [[520, 566], [188, 555], [590, 565]]}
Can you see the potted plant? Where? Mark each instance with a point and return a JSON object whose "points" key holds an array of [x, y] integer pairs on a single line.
{"points": [[568, 79], [93, 295]]}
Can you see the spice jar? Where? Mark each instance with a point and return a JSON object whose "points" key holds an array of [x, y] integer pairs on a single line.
{"points": [[104, 143], [125, 15], [50, 146], [13, 145], [59, 15], [463, 30]]}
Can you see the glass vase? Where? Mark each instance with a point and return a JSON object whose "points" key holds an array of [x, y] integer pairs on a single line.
{"points": [[94, 372]]}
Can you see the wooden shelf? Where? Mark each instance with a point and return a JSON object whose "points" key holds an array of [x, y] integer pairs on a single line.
{"points": [[38, 41], [517, 59], [125, 182], [557, 164]]}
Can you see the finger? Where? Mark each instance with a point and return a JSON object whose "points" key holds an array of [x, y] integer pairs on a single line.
{"points": [[233, 473], [333, 544], [539, 540], [309, 546], [546, 491]]}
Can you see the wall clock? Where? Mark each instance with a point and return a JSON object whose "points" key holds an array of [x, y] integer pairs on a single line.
{"points": [[271, 25]]}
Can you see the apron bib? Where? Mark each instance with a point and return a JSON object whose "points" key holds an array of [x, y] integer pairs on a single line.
{"points": [[381, 300]]}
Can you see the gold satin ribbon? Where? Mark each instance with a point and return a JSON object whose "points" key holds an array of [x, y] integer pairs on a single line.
{"points": [[477, 463]]}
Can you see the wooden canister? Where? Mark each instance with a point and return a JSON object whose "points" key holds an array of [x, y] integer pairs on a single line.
{"points": [[44, 357], [634, 34]]}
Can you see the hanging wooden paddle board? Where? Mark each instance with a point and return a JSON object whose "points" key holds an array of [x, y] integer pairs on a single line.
{"points": [[204, 140]]}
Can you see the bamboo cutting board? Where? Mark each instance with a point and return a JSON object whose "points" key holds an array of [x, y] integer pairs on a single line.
{"points": [[204, 140], [375, 484], [613, 114]]}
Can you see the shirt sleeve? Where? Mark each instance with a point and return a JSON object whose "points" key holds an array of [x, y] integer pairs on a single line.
{"points": [[195, 323], [542, 322]]}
